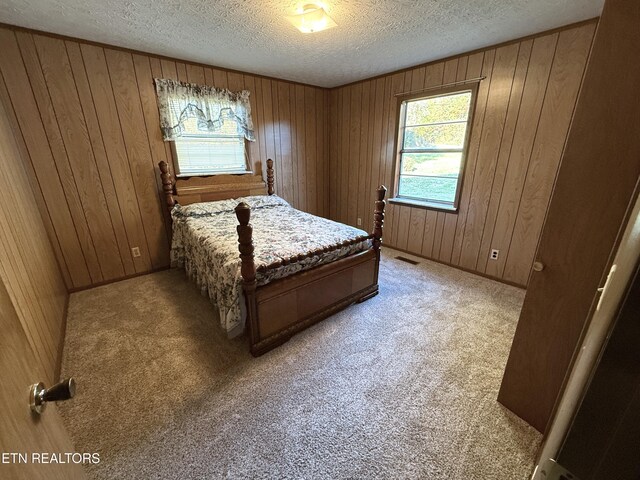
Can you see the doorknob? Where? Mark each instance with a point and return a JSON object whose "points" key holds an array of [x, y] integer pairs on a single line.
{"points": [[63, 390], [538, 266]]}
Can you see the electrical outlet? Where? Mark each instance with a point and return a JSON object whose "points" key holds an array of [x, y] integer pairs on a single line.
{"points": [[135, 251], [359, 221], [494, 254]]}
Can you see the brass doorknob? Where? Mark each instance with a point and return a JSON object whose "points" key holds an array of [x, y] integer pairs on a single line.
{"points": [[538, 266], [63, 390]]}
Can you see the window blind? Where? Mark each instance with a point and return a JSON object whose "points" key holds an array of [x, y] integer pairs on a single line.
{"points": [[207, 155]]}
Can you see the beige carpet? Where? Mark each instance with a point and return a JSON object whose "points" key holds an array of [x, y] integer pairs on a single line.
{"points": [[401, 386]]}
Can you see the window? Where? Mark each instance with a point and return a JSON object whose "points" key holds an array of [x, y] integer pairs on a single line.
{"points": [[208, 127], [200, 152], [432, 143]]}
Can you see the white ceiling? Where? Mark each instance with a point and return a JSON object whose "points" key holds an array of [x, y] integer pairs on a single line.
{"points": [[372, 37]]}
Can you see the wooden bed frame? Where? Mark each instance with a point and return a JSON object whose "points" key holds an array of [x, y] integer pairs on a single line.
{"points": [[278, 310]]}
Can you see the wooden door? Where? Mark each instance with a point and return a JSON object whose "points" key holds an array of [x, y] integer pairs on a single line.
{"points": [[595, 184], [20, 430]]}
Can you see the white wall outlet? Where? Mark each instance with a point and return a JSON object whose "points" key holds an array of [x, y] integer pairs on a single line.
{"points": [[135, 251], [359, 221], [494, 254]]}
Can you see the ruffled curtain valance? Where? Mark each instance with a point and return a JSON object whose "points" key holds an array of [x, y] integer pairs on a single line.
{"points": [[178, 101]]}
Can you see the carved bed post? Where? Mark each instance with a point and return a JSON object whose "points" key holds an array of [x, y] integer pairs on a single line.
{"points": [[168, 190], [378, 221], [270, 189], [167, 184], [378, 217], [248, 269]]}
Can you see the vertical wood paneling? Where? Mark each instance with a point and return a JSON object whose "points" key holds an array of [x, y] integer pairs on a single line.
{"points": [[282, 165], [375, 151], [451, 220], [93, 127], [296, 136], [301, 138], [310, 136], [322, 161], [403, 218], [354, 152], [490, 138], [513, 113], [258, 106], [87, 119], [58, 149], [33, 180], [542, 54], [28, 266], [384, 148], [66, 104], [560, 99], [283, 148], [396, 85], [54, 177], [120, 169], [195, 74], [129, 107], [334, 141], [254, 147], [181, 70], [596, 186], [366, 189], [343, 161], [143, 74], [169, 69], [235, 81], [363, 153], [268, 127], [523, 109], [478, 64], [220, 78]]}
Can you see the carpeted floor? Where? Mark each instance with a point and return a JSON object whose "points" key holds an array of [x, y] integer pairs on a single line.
{"points": [[401, 386]]}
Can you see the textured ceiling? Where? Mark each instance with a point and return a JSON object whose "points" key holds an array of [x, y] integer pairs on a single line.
{"points": [[372, 37]]}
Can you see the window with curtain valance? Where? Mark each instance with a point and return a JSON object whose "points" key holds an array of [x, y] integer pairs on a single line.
{"points": [[207, 126]]}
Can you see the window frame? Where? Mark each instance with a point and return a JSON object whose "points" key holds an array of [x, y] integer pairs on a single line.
{"points": [[176, 161], [399, 141]]}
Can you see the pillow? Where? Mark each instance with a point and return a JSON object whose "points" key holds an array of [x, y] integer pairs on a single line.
{"points": [[205, 209], [262, 201]]}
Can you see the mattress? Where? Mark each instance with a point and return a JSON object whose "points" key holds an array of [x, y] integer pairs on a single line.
{"points": [[205, 244]]}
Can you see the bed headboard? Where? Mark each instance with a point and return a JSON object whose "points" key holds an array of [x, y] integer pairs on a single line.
{"points": [[188, 190]]}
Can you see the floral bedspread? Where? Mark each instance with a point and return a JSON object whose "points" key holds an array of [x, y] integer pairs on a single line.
{"points": [[205, 244]]}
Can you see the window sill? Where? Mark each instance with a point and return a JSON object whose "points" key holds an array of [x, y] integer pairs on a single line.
{"points": [[211, 174], [423, 204]]}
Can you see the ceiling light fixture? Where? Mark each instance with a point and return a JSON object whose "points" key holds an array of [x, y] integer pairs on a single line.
{"points": [[312, 18]]}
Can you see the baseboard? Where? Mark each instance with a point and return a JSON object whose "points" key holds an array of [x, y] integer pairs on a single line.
{"points": [[119, 279], [63, 333], [468, 270]]}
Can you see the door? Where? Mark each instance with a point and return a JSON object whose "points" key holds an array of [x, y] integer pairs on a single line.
{"points": [[604, 439], [595, 185], [21, 431]]}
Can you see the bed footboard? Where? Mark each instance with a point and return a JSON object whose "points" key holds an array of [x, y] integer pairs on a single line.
{"points": [[278, 310]]}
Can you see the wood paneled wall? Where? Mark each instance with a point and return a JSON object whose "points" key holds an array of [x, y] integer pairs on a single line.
{"points": [[595, 191], [524, 107], [28, 267], [87, 118]]}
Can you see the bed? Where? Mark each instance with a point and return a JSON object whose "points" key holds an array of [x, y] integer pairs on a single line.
{"points": [[270, 269]]}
